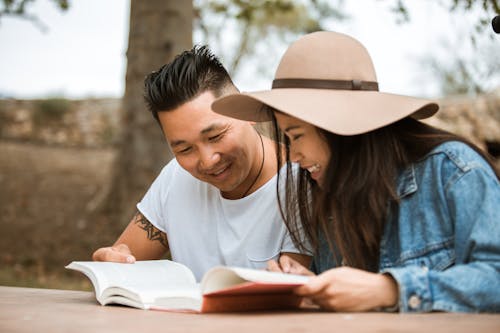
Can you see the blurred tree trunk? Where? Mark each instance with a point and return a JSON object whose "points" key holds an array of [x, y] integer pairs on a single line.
{"points": [[159, 30]]}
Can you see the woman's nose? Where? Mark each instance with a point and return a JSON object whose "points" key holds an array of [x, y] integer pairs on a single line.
{"points": [[295, 156]]}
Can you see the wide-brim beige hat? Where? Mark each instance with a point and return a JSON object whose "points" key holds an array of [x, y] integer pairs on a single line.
{"points": [[327, 79]]}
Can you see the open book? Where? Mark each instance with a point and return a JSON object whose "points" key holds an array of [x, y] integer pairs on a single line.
{"points": [[170, 286]]}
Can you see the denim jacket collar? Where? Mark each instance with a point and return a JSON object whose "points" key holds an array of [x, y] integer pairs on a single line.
{"points": [[406, 182]]}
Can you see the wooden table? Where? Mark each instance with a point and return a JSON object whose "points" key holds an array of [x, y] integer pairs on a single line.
{"points": [[46, 310]]}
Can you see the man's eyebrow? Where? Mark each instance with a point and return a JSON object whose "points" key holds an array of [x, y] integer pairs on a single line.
{"points": [[176, 143], [206, 130], [289, 128], [211, 128]]}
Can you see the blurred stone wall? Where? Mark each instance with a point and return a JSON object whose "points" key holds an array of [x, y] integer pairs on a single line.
{"points": [[89, 123], [477, 119], [96, 122]]}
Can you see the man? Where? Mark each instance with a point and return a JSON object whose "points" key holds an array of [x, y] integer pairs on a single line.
{"points": [[215, 203]]}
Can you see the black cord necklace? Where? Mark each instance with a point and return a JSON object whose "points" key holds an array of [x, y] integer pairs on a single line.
{"points": [[260, 169]]}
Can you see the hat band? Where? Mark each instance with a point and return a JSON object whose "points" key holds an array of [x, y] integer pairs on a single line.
{"points": [[325, 84]]}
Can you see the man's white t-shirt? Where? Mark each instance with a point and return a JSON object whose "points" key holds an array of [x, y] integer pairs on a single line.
{"points": [[205, 230]]}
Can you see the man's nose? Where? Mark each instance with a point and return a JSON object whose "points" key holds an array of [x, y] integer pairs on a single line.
{"points": [[208, 158]]}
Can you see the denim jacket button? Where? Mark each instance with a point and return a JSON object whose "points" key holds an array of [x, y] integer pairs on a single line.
{"points": [[414, 302]]}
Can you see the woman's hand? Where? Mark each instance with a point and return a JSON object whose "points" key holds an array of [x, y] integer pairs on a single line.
{"points": [[350, 289]]}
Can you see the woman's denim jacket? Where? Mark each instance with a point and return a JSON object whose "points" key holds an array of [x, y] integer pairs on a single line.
{"points": [[442, 243]]}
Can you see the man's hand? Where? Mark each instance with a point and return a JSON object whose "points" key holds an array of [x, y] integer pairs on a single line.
{"points": [[141, 238], [118, 253], [350, 289], [287, 264]]}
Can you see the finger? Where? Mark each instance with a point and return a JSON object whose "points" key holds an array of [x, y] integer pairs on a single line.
{"points": [[308, 303], [112, 255], [122, 248], [314, 286], [122, 253], [325, 303], [273, 266], [99, 254], [290, 265], [116, 256], [296, 268], [286, 263]]}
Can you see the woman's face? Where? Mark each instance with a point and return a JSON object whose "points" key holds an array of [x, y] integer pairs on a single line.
{"points": [[307, 146]]}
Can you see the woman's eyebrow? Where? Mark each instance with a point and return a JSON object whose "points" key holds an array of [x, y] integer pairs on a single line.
{"points": [[290, 128]]}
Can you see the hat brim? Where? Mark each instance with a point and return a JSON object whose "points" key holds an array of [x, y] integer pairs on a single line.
{"points": [[338, 111]]}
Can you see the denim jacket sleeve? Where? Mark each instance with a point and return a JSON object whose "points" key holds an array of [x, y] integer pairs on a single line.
{"points": [[471, 283]]}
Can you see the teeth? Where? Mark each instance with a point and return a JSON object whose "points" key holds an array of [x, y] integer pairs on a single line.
{"points": [[313, 168], [219, 172]]}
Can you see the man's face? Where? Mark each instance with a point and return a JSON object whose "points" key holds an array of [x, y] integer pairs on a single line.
{"points": [[211, 147]]}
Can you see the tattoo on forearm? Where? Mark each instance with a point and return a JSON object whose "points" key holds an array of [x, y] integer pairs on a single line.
{"points": [[153, 232]]}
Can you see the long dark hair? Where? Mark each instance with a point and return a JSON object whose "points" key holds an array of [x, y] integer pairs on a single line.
{"points": [[352, 207]]}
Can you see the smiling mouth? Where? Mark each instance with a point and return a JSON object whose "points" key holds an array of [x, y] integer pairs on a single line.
{"points": [[314, 168], [218, 171]]}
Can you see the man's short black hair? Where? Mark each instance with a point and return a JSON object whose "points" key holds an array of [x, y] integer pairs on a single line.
{"points": [[187, 76]]}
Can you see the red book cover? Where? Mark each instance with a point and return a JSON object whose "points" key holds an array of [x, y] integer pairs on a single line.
{"points": [[251, 296]]}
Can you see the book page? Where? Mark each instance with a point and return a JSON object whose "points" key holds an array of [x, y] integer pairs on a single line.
{"points": [[141, 277], [179, 300], [219, 278], [146, 296]]}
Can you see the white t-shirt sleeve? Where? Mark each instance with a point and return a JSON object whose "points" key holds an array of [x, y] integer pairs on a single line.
{"points": [[152, 204]]}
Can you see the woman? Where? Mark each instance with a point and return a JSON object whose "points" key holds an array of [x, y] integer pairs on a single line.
{"points": [[403, 216]]}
